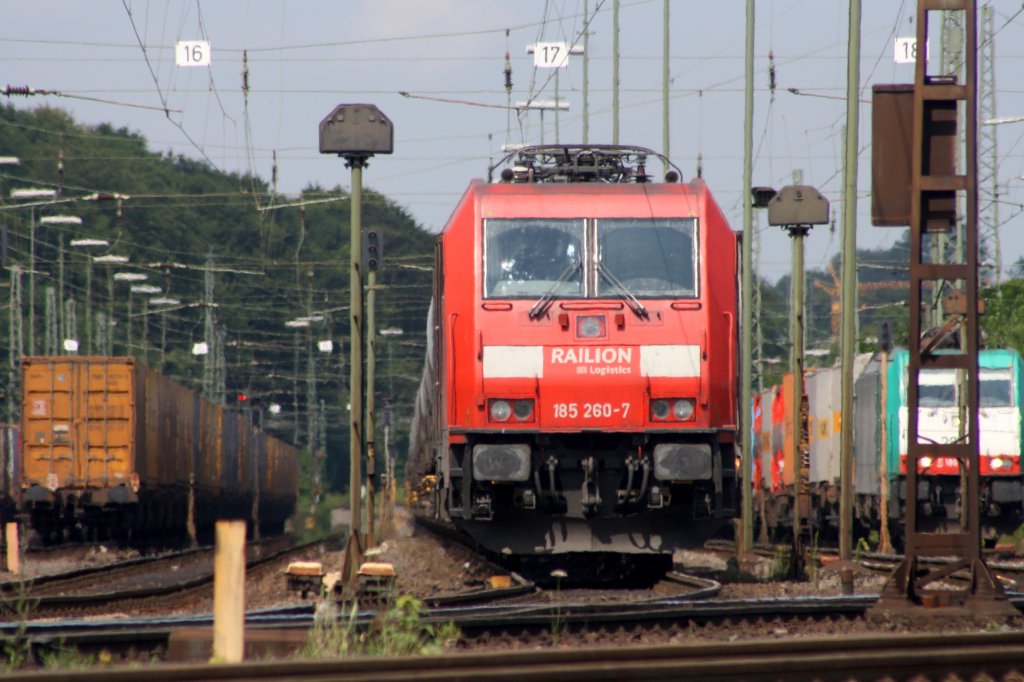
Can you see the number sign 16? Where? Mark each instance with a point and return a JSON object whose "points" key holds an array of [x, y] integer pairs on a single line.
{"points": [[192, 53]]}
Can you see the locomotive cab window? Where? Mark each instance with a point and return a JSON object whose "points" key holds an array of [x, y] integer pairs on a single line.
{"points": [[643, 257], [649, 256], [529, 257], [995, 388], [938, 388]]}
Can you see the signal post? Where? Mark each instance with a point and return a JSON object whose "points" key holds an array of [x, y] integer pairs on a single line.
{"points": [[797, 208], [355, 132]]}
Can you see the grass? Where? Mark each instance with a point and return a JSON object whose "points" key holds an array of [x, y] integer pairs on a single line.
{"points": [[556, 622], [398, 629], [15, 647]]}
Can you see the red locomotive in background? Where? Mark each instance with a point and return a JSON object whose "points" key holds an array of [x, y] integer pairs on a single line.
{"points": [[579, 393]]}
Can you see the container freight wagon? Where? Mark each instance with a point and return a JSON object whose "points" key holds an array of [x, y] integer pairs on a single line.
{"points": [[999, 422], [113, 448]]}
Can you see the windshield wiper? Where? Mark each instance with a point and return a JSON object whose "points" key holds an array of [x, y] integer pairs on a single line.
{"points": [[544, 302], [634, 304]]}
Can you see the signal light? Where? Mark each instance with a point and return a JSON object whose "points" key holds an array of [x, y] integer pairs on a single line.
{"points": [[373, 248], [241, 397]]}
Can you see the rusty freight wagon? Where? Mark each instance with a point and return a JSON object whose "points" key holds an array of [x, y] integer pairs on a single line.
{"points": [[113, 448]]}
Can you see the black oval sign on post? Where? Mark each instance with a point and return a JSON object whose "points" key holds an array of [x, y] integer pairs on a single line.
{"points": [[356, 130]]}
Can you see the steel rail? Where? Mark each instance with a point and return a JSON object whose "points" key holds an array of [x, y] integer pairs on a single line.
{"points": [[825, 659]]}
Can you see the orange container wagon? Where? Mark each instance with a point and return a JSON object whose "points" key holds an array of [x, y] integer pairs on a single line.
{"points": [[112, 448]]}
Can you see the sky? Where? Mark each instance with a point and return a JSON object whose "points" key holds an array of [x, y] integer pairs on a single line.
{"points": [[114, 62]]}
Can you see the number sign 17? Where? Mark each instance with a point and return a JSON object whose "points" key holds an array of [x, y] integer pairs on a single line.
{"points": [[550, 55], [192, 53]]}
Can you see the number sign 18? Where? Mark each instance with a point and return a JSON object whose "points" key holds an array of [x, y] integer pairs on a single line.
{"points": [[192, 53], [905, 50]]}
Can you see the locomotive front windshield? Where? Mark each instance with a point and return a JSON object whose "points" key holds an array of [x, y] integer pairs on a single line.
{"points": [[938, 388], [533, 256], [642, 257], [650, 257]]}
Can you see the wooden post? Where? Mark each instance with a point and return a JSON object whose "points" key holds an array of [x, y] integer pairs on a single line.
{"points": [[13, 548], [229, 592], [884, 541]]}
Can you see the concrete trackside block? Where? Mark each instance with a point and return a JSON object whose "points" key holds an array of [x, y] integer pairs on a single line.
{"points": [[195, 645]]}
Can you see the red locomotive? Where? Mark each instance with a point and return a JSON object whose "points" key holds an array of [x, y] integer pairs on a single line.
{"points": [[579, 393]]}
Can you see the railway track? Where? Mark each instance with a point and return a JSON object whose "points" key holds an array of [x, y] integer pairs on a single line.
{"points": [[994, 656], [503, 626], [143, 584]]}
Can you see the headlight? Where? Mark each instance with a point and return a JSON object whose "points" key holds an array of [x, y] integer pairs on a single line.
{"points": [[999, 463], [683, 409], [659, 409], [924, 462], [674, 409], [500, 410], [523, 410], [590, 327]]}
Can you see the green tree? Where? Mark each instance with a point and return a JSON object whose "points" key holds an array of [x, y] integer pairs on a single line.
{"points": [[1003, 321]]}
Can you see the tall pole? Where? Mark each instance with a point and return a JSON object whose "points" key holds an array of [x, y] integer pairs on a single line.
{"points": [[110, 310], [130, 324], [615, 73], [209, 332], [664, 87], [371, 417], [15, 346], [586, 74], [746, 337], [557, 137], [32, 283], [62, 331], [849, 294], [355, 132], [353, 555], [88, 304], [796, 366]]}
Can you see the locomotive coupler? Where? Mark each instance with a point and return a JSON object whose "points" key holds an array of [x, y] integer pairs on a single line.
{"points": [[482, 508], [655, 500], [591, 497]]}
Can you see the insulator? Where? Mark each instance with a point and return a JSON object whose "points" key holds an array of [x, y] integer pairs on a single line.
{"points": [[22, 90], [508, 73], [771, 72], [245, 71]]}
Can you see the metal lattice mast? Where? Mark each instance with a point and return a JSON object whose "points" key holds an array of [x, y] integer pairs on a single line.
{"points": [[70, 317], [51, 322], [209, 332], [101, 338], [311, 397], [15, 345], [220, 365], [295, 386], [62, 330], [988, 155]]}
